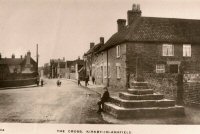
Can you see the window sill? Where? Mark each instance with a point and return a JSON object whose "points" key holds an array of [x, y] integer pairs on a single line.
{"points": [[106, 77], [118, 57], [167, 55]]}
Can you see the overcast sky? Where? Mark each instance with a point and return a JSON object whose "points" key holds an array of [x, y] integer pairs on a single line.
{"points": [[64, 28]]}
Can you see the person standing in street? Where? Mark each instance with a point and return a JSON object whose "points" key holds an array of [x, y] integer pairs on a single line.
{"points": [[93, 80], [42, 82], [86, 80], [79, 81]]}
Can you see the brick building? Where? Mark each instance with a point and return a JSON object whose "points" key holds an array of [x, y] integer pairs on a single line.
{"points": [[57, 68], [166, 46], [92, 58], [75, 69], [17, 71]]}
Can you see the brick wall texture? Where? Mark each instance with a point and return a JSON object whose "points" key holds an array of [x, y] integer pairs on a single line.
{"points": [[191, 94], [100, 63]]}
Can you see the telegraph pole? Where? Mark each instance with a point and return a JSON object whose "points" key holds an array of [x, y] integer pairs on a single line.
{"points": [[37, 57]]}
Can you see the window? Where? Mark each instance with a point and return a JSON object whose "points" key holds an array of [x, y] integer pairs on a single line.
{"points": [[109, 73], [168, 50], [160, 68], [173, 68], [118, 70], [105, 71], [118, 51], [186, 50]]}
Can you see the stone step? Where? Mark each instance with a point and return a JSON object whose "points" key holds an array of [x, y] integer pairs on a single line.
{"points": [[140, 91], [141, 103], [139, 87], [135, 83], [121, 113], [128, 96]]}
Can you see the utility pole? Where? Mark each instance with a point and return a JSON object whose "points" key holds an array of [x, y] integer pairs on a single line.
{"points": [[107, 69], [37, 57]]}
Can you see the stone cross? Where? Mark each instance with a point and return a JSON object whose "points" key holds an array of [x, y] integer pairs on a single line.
{"points": [[139, 68]]}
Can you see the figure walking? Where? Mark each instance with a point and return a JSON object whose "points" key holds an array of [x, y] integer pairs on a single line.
{"points": [[42, 82], [93, 80], [79, 82], [86, 80], [58, 83]]}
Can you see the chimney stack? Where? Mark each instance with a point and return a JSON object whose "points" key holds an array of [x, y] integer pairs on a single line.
{"points": [[21, 57], [91, 45], [102, 40], [0, 56], [13, 56], [133, 14], [121, 23], [28, 58]]}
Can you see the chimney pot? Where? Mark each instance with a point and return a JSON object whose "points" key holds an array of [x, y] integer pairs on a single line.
{"points": [[102, 40], [121, 23], [134, 7], [91, 45], [133, 14], [13, 56]]}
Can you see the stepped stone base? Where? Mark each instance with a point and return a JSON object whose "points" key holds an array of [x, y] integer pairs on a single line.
{"points": [[121, 113], [128, 96], [141, 102]]}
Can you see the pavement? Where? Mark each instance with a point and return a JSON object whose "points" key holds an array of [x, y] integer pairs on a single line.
{"points": [[96, 88], [68, 103], [192, 113]]}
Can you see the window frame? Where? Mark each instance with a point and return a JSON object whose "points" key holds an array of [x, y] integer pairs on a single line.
{"points": [[118, 71], [118, 51], [160, 70], [185, 50], [167, 45]]}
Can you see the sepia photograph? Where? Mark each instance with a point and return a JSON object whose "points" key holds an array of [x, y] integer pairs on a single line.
{"points": [[99, 66]]}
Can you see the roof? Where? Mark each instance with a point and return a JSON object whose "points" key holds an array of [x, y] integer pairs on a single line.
{"points": [[94, 49], [11, 61], [152, 29]]}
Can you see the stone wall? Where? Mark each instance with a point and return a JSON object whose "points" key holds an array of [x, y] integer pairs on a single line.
{"points": [[165, 84], [191, 93], [17, 83]]}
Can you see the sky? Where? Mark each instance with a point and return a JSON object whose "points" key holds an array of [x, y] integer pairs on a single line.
{"points": [[65, 28]]}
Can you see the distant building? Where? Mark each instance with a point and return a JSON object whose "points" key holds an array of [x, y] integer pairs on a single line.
{"points": [[75, 69], [46, 70], [57, 68], [17, 71]]}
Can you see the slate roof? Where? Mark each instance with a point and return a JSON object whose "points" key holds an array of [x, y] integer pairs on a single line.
{"points": [[152, 29], [11, 61], [94, 49]]}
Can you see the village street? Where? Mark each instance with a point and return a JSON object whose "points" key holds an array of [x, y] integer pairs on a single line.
{"points": [[49, 104]]}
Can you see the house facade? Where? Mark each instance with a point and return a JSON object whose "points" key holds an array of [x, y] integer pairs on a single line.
{"points": [[164, 46], [18, 71], [75, 69], [57, 68]]}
